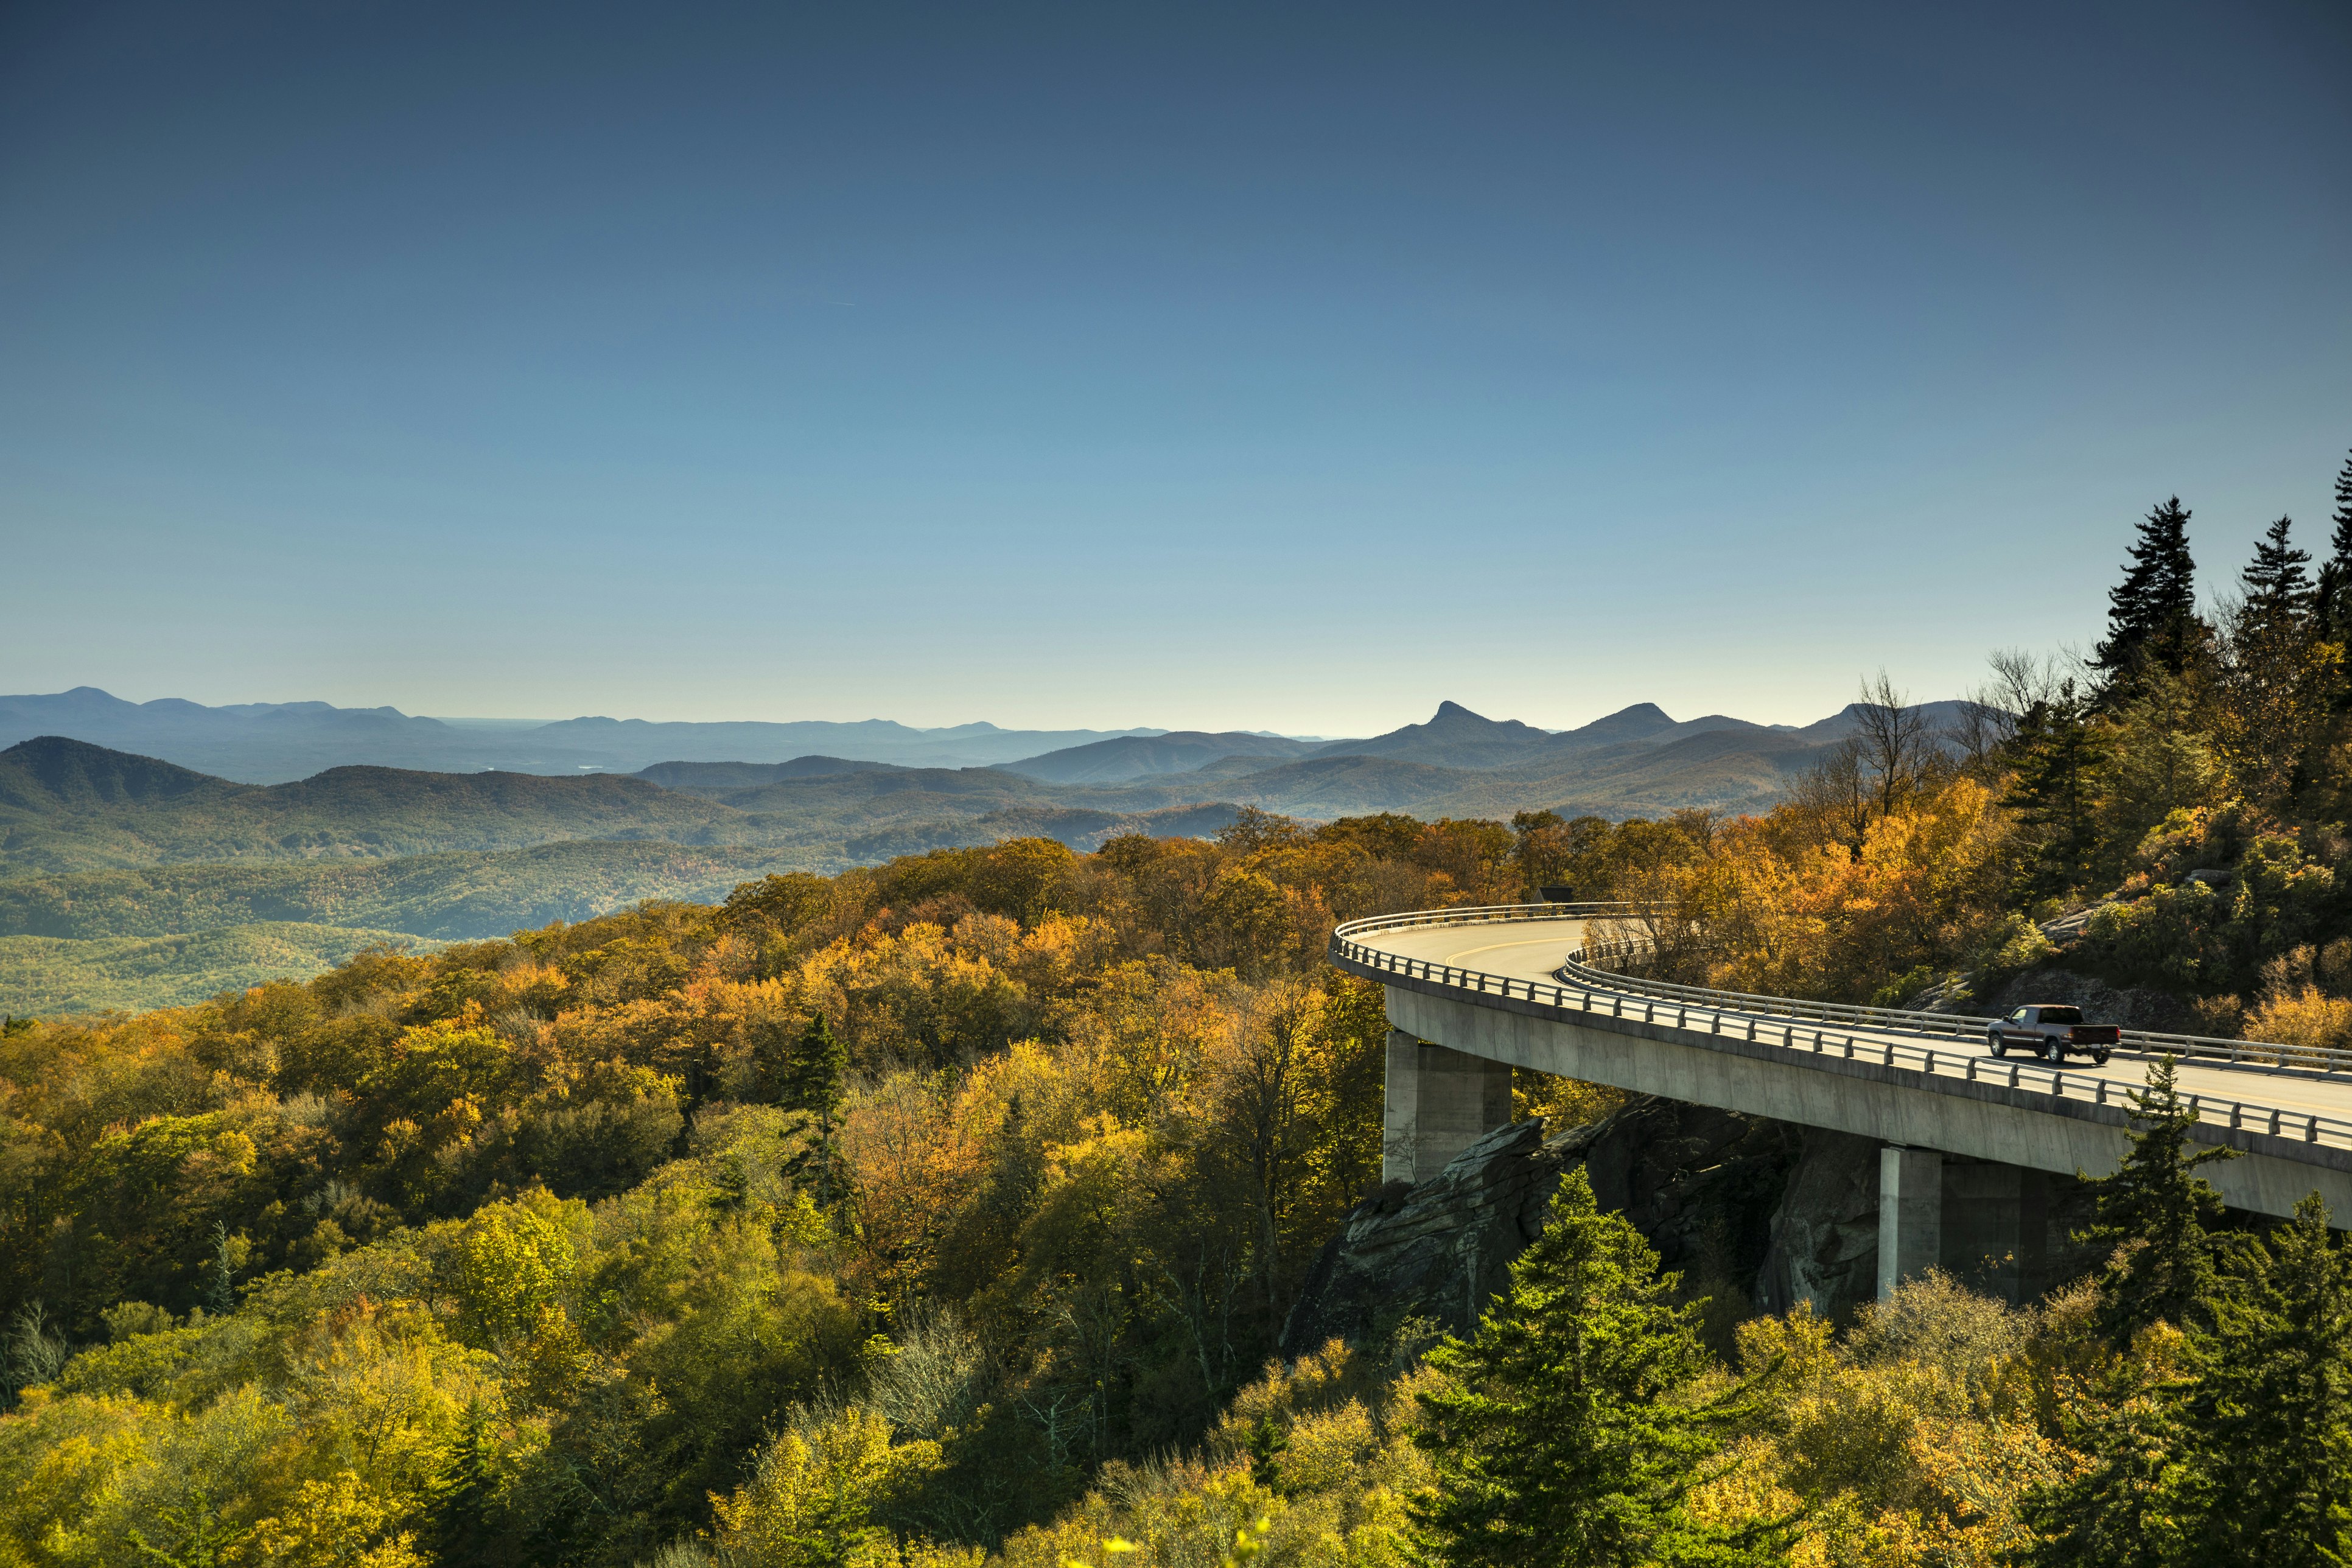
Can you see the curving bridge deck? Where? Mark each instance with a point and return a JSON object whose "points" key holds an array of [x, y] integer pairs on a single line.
{"points": [[1472, 993]]}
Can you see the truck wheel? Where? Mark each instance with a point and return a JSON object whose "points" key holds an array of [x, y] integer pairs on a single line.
{"points": [[2098, 1058], [2000, 1046], [2053, 1053]]}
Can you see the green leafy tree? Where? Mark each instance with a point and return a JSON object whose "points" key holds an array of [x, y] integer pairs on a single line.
{"points": [[2157, 1214], [1561, 1435], [194, 1535], [2152, 613]]}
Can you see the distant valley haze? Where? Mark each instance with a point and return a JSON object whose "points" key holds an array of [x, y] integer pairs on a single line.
{"points": [[263, 742]]}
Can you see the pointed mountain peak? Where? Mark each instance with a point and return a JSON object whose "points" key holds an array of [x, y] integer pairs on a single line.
{"points": [[1456, 711]]}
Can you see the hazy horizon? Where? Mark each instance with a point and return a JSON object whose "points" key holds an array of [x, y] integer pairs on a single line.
{"points": [[1292, 368], [1106, 727]]}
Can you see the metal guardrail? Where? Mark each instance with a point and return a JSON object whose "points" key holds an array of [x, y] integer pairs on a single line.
{"points": [[1579, 987], [2143, 1042]]}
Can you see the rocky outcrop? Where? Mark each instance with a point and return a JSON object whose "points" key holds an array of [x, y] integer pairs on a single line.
{"points": [[2134, 1008], [1824, 1242], [1703, 1185]]}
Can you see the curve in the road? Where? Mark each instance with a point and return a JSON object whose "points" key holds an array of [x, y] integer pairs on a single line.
{"points": [[1515, 983]]}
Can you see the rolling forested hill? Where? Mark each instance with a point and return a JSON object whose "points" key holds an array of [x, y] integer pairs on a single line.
{"points": [[114, 865], [451, 896], [129, 881]]}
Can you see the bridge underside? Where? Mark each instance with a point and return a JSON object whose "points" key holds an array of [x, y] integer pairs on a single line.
{"points": [[1982, 1204]]}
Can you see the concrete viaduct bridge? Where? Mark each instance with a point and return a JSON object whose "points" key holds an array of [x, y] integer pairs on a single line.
{"points": [[1473, 993]]}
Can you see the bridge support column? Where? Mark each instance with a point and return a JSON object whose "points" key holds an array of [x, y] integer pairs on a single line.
{"points": [[1438, 1103], [1910, 1215]]}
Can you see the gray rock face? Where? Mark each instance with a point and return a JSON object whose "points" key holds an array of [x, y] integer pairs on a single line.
{"points": [[1701, 1184], [1825, 1245], [2134, 1008]]}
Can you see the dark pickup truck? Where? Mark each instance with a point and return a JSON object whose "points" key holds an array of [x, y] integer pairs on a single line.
{"points": [[2052, 1032]]}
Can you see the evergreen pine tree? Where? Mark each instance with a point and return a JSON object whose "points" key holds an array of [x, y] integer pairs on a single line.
{"points": [[2121, 1510], [2157, 1213], [2152, 613], [2330, 608], [220, 1274], [2278, 685], [466, 1491], [2124, 1509], [1559, 1437], [2054, 752], [812, 1083], [2277, 1388], [2277, 585]]}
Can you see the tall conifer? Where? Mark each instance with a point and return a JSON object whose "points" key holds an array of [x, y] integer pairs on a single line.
{"points": [[1558, 1438], [2125, 1508], [2055, 753], [2277, 1388], [2279, 681], [2333, 602], [2157, 1214], [2277, 585], [813, 1083], [2152, 613]]}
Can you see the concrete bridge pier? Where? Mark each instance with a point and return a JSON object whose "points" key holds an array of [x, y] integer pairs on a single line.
{"points": [[1983, 1222], [1437, 1102], [1910, 1215]]}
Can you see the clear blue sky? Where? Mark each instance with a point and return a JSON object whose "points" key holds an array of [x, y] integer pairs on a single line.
{"points": [[1267, 366]]}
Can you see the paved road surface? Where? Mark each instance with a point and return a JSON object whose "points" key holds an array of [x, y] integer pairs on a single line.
{"points": [[1531, 950]]}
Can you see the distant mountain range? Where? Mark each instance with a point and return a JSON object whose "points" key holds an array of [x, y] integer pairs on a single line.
{"points": [[127, 879], [272, 743], [1462, 764]]}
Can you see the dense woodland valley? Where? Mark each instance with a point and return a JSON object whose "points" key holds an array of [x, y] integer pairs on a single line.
{"points": [[950, 1209]]}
